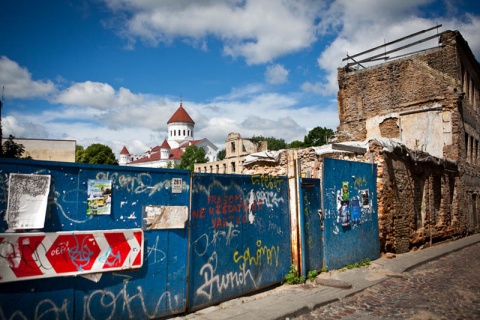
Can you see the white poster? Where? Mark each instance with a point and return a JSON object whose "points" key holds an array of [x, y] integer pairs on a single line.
{"points": [[27, 200], [165, 217]]}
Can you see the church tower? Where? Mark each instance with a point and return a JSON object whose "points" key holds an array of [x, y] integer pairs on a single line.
{"points": [[164, 151], [124, 156], [180, 128]]}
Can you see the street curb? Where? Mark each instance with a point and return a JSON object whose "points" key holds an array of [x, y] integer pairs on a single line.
{"points": [[442, 254], [306, 309], [334, 283]]}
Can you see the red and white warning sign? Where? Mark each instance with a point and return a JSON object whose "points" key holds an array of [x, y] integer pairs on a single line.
{"points": [[42, 255]]}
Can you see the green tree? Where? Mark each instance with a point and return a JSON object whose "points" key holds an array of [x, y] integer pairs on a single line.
{"points": [[96, 154], [79, 153], [192, 155], [11, 149], [272, 143], [295, 144], [221, 154], [318, 136]]}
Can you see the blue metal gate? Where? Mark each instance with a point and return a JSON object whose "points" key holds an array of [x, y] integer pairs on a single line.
{"points": [[240, 236], [311, 204], [350, 205], [154, 290]]}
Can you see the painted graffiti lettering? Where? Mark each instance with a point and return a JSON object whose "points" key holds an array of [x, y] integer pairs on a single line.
{"points": [[262, 253], [24, 257], [232, 208], [110, 258], [267, 181], [269, 198], [106, 304], [359, 182], [45, 309], [272, 226], [136, 184], [224, 222], [225, 199], [214, 283], [80, 254], [154, 254], [198, 214], [60, 250], [226, 209], [228, 235]]}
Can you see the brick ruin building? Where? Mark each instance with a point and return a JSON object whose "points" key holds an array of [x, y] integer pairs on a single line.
{"points": [[418, 119]]}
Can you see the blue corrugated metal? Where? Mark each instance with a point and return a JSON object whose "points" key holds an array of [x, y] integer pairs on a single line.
{"points": [[351, 218], [311, 199], [240, 236], [157, 289]]}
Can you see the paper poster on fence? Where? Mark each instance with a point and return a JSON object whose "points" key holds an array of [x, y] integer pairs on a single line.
{"points": [[27, 200], [99, 197]]}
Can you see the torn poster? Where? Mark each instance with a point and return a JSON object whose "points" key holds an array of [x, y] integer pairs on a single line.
{"points": [[99, 196], [164, 217], [27, 200]]}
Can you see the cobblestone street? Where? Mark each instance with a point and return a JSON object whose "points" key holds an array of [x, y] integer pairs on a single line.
{"points": [[447, 288]]}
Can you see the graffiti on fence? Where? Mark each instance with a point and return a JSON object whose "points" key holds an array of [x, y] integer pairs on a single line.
{"points": [[155, 254], [267, 181], [261, 254], [137, 184], [218, 283]]}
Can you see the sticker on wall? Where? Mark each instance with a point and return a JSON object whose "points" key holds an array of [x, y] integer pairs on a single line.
{"points": [[27, 200], [356, 212], [344, 213], [365, 199], [345, 192], [177, 185], [164, 217], [99, 197]]}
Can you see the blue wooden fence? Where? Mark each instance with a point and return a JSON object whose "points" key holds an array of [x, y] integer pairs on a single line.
{"points": [[156, 289], [350, 207], [236, 239], [311, 204], [240, 235]]}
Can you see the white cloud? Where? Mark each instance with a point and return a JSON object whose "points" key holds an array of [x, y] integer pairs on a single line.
{"points": [[18, 81], [259, 31], [11, 125], [276, 74], [364, 24], [98, 95]]}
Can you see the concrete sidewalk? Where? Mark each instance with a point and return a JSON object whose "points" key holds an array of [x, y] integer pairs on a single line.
{"points": [[288, 301]]}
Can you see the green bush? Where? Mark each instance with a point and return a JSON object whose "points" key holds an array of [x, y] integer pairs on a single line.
{"points": [[292, 276], [312, 274]]}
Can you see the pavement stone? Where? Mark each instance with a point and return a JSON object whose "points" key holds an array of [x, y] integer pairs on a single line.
{"points": [[291, 301]]}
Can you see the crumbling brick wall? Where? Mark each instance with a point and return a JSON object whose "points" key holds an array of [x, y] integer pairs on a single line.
{"points": [[416, 199]]}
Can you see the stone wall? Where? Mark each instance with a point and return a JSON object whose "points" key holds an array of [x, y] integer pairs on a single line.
{"points": [[418, 196]]}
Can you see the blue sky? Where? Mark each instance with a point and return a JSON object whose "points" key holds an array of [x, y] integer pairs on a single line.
{"points": [[114, 71]]}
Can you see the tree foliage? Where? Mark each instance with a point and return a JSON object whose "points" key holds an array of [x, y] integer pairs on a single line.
{"points": [[318, 136], [79, 152], [272, 143], [295, 144], [191, 156], [11, 149], [221, 154], [95, 154]]}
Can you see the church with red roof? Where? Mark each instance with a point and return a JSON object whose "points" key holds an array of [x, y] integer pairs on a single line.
{"points": [[180, 136]]}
